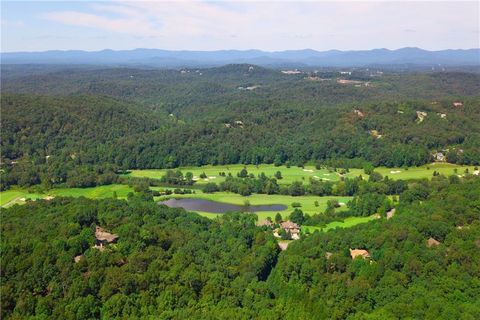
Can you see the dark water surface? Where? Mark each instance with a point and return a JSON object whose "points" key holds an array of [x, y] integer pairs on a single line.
{"points": [[218, 207]]}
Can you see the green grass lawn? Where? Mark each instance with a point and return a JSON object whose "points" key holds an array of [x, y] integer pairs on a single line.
{"points": [[289, 174], [425, 171], [304, 174], [346, 223], [307, 202], [11, 197]]}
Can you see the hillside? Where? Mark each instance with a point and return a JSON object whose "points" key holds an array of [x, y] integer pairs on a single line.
{"points": [[137, 119], [36, 126], [171, 264]]}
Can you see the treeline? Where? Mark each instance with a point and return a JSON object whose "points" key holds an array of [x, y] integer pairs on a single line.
{"points": [[58, 174], [246, 184]]}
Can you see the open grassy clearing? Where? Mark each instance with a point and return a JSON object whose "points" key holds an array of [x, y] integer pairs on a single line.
{"points": [[307, 202], [304, 174], [289, 174], [346, 223], [18, 196]]}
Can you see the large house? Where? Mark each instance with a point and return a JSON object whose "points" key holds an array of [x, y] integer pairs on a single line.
{"points": [[439, 156], [292, 228], [431, 242], [359, 253], [102, 238]]}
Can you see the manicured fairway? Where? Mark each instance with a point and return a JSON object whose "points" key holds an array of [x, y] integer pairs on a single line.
{"points": [[11, 197], [289, 174], [307, 202], [421, 172], [347, 223], [304, 174], [95, 192]]}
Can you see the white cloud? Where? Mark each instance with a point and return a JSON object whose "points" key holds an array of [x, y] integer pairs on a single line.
{"points": [[283, 25]]}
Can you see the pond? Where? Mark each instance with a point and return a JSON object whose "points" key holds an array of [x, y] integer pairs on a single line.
{"points": [[218, 207]]}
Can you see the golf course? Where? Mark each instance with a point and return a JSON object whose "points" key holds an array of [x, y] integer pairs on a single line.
{"points": [[294, 173], [20, 196], [309, 204]]}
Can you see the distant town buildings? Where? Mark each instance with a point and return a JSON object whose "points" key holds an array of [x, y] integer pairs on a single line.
{"points": [[291, 71]]}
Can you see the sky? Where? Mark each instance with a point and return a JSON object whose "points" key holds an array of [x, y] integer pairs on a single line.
{"points": [[217, 25]]}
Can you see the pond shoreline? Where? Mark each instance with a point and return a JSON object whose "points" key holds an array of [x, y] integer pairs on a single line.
{"points": [[192, 204]]}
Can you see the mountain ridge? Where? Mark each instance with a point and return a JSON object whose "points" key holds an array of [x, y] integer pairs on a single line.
{"points": [[306, 57]]}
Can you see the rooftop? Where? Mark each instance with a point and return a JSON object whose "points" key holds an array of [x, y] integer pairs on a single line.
{"points": [[102, 235], [359, 253]]}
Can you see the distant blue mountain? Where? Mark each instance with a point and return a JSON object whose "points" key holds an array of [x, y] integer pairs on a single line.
{"points": [[307, 57]]}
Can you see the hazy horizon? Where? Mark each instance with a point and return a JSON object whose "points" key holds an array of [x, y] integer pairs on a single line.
{"points": [[245, 50]]}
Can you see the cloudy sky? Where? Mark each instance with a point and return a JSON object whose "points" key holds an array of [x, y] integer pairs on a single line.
{"points": [[211, 25]]}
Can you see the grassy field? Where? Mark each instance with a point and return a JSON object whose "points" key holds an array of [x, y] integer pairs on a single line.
{"points": [[11, 197], [425, 171], [346, 223], [289, 174], [304, 174], [307, 202]]}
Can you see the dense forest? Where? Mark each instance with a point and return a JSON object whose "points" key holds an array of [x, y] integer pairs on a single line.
{"points": [[83, 126], [81, 119], [169, 264]]}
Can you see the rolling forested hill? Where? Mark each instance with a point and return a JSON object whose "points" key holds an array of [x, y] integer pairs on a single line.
{"points": [[134, 118]]}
